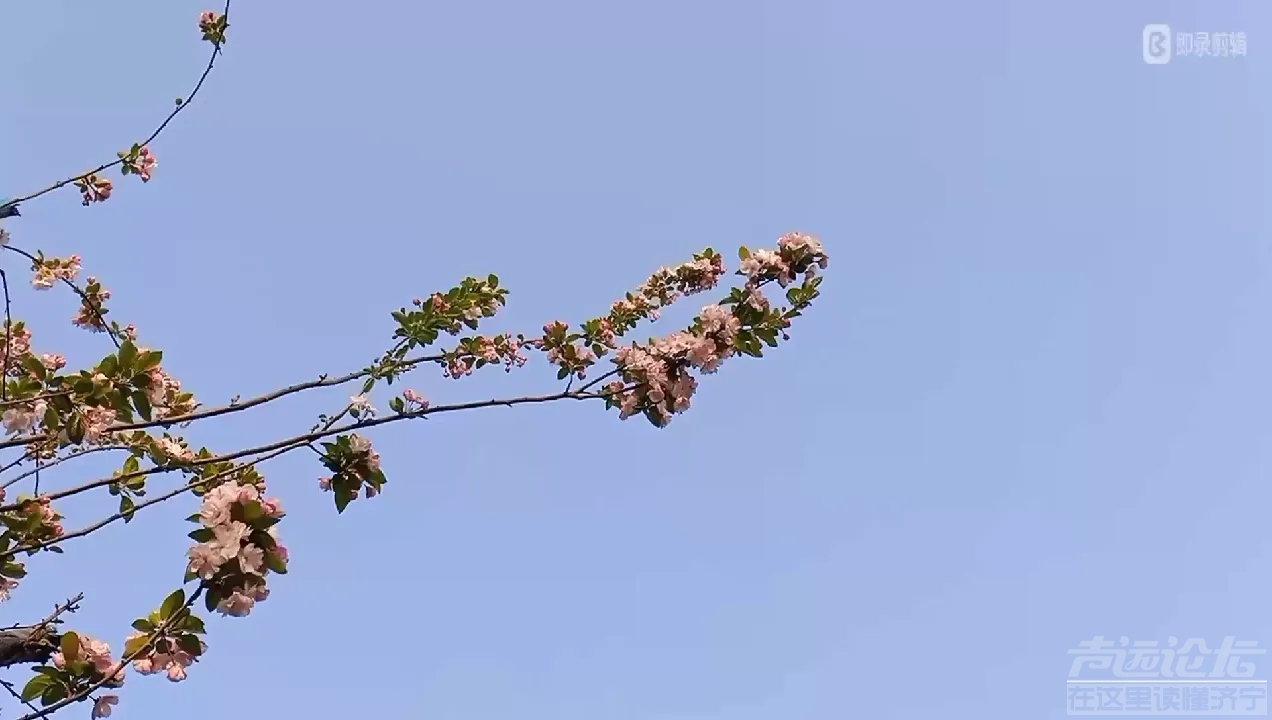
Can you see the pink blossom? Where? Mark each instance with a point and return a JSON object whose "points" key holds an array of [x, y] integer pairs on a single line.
{"points": [[229, 537], [174, 449], [49, 270], [251, 558], [145, 164], [102, 706], [272, 507], [361, 407], [93, 189], [205, 560], [236, 605], [53, 361], [97, 420], [19, 419]]}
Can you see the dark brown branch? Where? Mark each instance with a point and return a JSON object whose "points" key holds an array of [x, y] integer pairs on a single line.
{"points": [[216, 50], [34, 643]]}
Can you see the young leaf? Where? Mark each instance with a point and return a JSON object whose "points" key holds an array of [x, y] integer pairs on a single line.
{"points": [[172, 603], [127, 508], [134, 645], [70, 646], [35, 687]]}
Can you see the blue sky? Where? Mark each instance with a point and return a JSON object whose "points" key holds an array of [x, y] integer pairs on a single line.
{"points": [[1030, 408]]}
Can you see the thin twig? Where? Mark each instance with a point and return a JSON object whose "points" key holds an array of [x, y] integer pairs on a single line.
{"points": [[322, 381], [216, 50], [268, 451]]}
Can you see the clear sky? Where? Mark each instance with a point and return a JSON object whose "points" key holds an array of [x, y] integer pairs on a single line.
{"points": [[1030, 408]]}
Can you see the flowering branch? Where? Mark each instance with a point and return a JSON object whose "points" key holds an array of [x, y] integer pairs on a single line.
{"points": [[129, 402], [90, 177]]}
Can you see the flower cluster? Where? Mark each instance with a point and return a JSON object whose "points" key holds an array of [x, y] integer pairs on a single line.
{"points": [[22, 418], [237, 546], [796, 253], [361, 408], [50, 270], [574, 353], [213, 27], [172, 450], [139, 161], [87, 656], [568, 352], [32, 520], [410, 402], [165, 395], [79, 664], [93, 188], [18, 340], [656, 379], [167, 641], [463, 305], [354, 464], [92, 311], [471, 353], [667, 285]]}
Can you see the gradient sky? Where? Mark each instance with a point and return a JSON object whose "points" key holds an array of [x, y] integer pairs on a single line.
{"points": [[1030, 407]]}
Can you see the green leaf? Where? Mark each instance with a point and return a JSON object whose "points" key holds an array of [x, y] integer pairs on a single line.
{"points": [[35, 367], [119, 401], [50, 415], [194, 624], [252, 511], [200, 535], [190, 644], [344, 496], [141, 401], [70, 646], [149, 360], [743, 253], [35, 687], [109, 366], [127, 355], [211, 599], [131, 465], [13, 570], [127, 508], [143, 625], [275, 563], [75, 430], [134, 645], [52, 694], [172, 603]]}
